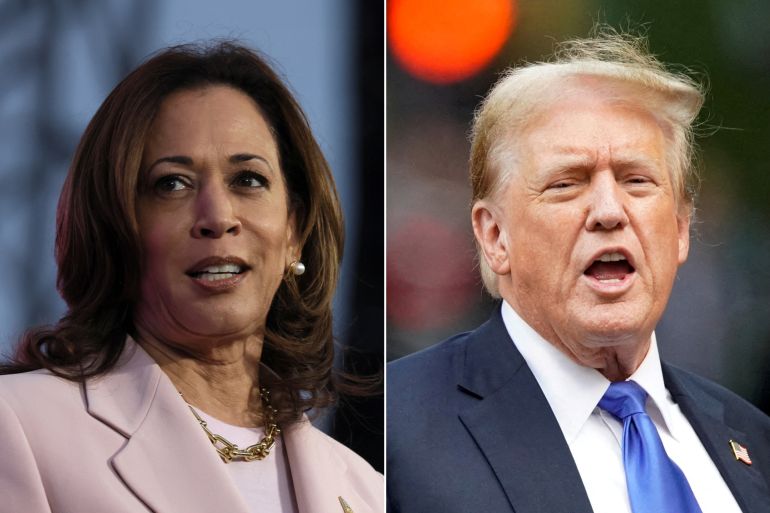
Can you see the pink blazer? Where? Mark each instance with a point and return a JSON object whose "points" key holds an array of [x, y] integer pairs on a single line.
{"points": [[125, 443]]}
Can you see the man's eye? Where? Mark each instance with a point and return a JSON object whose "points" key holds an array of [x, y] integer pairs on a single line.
{"points": [[171, 183], [560, 185], [250, 179]]}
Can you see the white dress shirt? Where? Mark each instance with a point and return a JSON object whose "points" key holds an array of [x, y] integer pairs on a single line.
{"points": [[594, 436]]}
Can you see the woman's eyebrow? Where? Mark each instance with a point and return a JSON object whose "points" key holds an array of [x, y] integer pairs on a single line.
{"points": [[243, 157], [174, 159], [188, 161]]}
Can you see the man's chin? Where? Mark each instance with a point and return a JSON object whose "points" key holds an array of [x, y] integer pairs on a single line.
{"points": [[618, 338], [612, 326]]}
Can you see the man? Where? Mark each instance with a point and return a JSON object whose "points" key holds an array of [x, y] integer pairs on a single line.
{"points": [[560, 403]]}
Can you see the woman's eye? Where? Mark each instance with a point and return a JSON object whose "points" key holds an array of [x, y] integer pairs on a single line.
{"points": [[250, 179], [171, 183]]}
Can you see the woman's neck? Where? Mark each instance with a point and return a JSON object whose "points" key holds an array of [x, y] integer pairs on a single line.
{"points": [[221, 379]]}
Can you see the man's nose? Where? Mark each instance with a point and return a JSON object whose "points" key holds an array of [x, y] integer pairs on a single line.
{"points": [[606, 209], [215, 213]]}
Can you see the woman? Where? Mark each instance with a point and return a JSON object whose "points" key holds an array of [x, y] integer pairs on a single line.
{"points": [[198, 245]]}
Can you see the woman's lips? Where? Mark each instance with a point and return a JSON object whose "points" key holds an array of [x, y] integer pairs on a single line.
{"points": [[218, 282], [218, 273]]}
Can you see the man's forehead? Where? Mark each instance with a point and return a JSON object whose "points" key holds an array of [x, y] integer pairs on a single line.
{"points": [[620, 150], [581, 127], [577, 92], [580, 140]]}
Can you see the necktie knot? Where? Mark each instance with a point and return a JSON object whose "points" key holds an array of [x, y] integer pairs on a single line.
{"points": [[624, 398]]}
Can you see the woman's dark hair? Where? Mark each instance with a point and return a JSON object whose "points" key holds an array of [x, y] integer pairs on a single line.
{"points": [[97, 243]]}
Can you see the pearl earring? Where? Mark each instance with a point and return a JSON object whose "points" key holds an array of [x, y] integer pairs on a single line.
{"points": [[297, 268]]}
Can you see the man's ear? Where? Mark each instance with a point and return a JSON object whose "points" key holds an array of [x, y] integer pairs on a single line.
{"points": [[490, 236], [683, 228]]}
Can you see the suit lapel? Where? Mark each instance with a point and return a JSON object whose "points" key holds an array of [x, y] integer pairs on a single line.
{"points": [[318, 474], [706, 415], [167, 461], [514, 426]]}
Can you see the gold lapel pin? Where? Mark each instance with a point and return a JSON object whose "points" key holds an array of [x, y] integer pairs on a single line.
{"points": [[345, 507], [741, 452]]}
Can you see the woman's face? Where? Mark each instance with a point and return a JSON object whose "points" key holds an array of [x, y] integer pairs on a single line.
{"points": [[214, 220]]}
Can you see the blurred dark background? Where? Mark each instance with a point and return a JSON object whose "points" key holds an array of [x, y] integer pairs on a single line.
{"points": [[59, 60], [718, 318]]}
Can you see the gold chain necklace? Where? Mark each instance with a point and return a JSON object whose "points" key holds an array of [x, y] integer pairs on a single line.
{"points": [[229, 451]]}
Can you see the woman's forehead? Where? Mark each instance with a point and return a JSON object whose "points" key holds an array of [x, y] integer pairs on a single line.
{"points": [[215, 119]]}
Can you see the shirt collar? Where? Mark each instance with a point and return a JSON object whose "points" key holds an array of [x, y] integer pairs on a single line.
{"points": [[649, 376], [572, 390]]}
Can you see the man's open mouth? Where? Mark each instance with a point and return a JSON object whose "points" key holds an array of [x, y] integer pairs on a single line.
{"points": [[610, 268]]}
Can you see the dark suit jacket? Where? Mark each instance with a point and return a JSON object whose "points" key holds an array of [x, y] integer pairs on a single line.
{"points": [[469, 430]]}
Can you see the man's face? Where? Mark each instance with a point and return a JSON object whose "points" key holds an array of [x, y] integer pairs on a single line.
{"points": [[588, 234]]}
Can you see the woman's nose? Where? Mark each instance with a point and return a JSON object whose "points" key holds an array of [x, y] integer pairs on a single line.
{"points": [[215, 213]]}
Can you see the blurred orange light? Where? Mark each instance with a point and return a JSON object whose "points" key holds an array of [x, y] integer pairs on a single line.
{"points": [[446, 41]]}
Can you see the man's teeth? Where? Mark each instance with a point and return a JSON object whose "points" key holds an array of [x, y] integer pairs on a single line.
{"points": [[611, 257]]}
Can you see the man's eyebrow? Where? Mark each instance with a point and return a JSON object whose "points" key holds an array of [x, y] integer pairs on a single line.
{"points": [[635, 162], [568, 161], [569, 158]]}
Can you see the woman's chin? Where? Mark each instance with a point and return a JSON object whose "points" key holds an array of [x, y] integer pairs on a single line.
{"points": [[195, 326], [220, 327]]}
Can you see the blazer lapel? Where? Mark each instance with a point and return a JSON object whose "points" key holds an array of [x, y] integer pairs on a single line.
{"points": [[514, 426], [319, 475], [706, 415], [167, 461]]}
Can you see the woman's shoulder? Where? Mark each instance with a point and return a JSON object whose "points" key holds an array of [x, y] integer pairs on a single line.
{"points": [[351, 457], [35, 390], [40, 378]]}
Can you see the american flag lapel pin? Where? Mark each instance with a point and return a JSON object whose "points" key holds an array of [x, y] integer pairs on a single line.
{"points": [[345, 507], [740, 452]]}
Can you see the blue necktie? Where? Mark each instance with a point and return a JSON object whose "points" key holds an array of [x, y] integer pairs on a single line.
{"points": [[655, 483]]}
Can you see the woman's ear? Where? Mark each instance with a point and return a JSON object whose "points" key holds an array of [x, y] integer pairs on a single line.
{"points": [[293, 249]]}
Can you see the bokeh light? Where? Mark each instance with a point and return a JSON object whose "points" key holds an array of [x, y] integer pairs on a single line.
{"points": [[445, 41]]}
